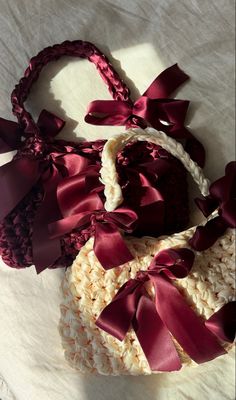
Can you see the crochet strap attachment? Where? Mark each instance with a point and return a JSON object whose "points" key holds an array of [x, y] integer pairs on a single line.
{"points": [[77, 48]]}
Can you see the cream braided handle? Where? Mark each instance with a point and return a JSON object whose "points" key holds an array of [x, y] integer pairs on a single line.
{"points": [[108, 172]]}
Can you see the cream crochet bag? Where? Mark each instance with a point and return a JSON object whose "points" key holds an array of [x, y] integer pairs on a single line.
{"points": [[88, 288]]}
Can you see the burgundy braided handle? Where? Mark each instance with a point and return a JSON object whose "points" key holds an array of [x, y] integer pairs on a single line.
{"points": [[77, 48]]}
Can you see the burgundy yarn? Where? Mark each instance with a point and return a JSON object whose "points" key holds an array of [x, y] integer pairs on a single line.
{"points": [[16, 228], [77, 48]]}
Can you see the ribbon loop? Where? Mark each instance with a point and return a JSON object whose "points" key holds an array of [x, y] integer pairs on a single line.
{"points": [[109, 245], [152, 108], [222, 197], [10, 136], [170, 314], [81, 206], [39, 158]]}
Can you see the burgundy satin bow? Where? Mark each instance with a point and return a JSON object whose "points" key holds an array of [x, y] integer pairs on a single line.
{"points": [[154, 323], [141, 195], [19, 176], [152, 108], [222, 196], [80, 202]]}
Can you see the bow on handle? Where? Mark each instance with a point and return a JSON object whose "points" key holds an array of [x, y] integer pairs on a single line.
{"points": [[222, 197], [18, 176], [155, 322], [152, 108], [37, 160], [81, 205]]}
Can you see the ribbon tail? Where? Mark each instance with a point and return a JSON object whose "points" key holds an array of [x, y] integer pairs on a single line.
{"points": [[224, 188], [79, 193], [154, 337], [16, 179], [184, 324], [205, 236], [196, 150], [49, 124], [228, 212], [206, 205], [45, 249], [109, 246], [108, 112], [10, 136], [117, 316], [178, 131], [223, 322]]}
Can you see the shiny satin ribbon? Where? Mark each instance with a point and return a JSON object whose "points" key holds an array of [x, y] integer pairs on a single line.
{"points": [[147, 201], [152, 108], [154, 323], [109, 246], [10, 136], [223, 322], [222, 197], [81, 205], [19, 176], [45, 249]]}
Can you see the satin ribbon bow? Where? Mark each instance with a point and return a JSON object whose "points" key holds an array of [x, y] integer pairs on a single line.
{"points": [[222, 197], [155, 322], [152, 108], [141, 195], [84, 209], [21, 174]]}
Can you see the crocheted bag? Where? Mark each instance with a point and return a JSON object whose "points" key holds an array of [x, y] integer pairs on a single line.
{"points": [[95, 318], [29, 182]]}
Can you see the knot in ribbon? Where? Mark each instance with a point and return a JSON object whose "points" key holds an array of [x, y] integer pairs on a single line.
{"points": [[152, 108], [81, 205], [38, 159], [222, 196], [155, 321]]}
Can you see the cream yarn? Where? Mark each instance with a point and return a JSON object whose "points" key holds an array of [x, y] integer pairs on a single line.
{"points": [[108, 172], [88, 288]]}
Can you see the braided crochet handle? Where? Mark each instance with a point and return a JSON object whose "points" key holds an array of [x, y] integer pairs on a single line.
{"points": [[109, 176], [78, 48]]}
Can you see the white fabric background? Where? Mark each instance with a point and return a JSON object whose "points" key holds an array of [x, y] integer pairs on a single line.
{"points": [[143, 37]]}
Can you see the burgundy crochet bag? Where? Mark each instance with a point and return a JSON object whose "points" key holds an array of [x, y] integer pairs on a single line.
{"points": [[29, 182]]}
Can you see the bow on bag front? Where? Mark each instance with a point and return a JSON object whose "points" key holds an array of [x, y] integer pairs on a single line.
{"points": [[153, 108], [222, 197], [81, 205], [155, 321], [39, 158]]}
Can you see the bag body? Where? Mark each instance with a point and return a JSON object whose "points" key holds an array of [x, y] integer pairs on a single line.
{"points": [[92, 341], [42, 161], [87, 289]]}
